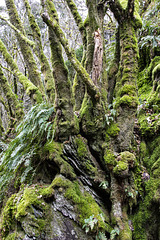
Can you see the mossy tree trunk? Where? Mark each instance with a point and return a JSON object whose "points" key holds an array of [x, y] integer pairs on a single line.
{"points": [[89, 164], [15, 108], [29, 59], [45, 66]]}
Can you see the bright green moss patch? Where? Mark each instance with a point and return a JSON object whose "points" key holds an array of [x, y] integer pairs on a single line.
{"points": [[156, 168], [11, 236], [120, 167], [18, 206], [81, 146], [146, 217], [127, 89], [8, 215], [109, 158], [149, 123], [130, 101], [127, 157], [124, 161], [155, 71], [113, 129], [33, 195]]}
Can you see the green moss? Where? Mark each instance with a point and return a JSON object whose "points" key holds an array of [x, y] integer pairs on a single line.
{"points": [[146, 76], [143, 149], [18, 206], [33, 195], [113, 129], [11, 236], [127, 89], [155, 71], [84, 204], [8, 214], [153, 150], [124, 161], [127, 157], [156, 168], [120, 167], [86, 21], [92, 115], [126, 233], [130, 101], [84, 155], [137, 176], [109, 158], [54, 152], [85, 112], [81, 146], [144, 220]]}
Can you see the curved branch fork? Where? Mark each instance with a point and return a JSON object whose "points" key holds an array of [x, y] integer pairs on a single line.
{"points": [[91, 88]]}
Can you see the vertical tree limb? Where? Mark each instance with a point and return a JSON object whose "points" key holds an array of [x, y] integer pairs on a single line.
{"points": [[97, 58], [16, 111], [30, 62], [78, 20], [45, 67]]}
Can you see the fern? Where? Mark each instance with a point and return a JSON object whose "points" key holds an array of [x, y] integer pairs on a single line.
{"points": [[33, 131]]}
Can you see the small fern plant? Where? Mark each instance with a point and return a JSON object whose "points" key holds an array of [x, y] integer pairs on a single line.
{"points": [[91, 224], [33, 132]]}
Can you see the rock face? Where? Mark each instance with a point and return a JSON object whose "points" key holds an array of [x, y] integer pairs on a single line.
{"points": [[58, 202], [44, 213]]}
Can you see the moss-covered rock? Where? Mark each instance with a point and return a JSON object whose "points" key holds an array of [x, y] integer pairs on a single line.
{"points": [[28, 203], [124, 161]]}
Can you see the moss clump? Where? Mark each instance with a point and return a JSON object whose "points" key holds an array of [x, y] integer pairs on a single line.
{"points": [[33, 195], [146, 80], [7, 216], [81, 146], [109, 158], [113, 129], [92, 115], [127, 89], [18, 206], [156, 168], [11, 236], [131, 101], [124, 161], [155, 71], [120, 167], [127, 156]]}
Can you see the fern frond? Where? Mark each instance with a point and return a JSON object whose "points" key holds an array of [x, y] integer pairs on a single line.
{"points": [[33, 131]]}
